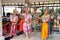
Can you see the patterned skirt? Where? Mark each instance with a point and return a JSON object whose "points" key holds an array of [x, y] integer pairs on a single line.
{"points": [[13, 29], [27, 27]]}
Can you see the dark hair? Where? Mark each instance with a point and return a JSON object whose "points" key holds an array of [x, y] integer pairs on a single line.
{"points": [[8, 14], [22, 11]]}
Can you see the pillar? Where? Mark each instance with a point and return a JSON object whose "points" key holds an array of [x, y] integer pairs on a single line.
{"points": [[1, 37]]}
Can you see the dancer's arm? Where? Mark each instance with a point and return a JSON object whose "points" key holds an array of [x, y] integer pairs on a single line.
{"points": [[16, 19], [30, 19], [48, 18]]}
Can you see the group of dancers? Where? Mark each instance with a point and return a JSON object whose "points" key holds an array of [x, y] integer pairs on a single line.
{"points": [[27, 21]]}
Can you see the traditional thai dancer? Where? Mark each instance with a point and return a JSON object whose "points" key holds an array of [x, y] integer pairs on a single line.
{"points": [[35, 19], [21, 24], [51, 20], [55, 24], [14, 20], [27, 23], [58, 21], [45, 20]]}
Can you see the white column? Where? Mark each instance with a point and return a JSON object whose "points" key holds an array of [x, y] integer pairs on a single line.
{"points": [[1, 37]]}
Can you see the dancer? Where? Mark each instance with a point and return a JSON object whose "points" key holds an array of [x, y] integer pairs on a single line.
{"points": [[55, 24], [51, 20], [58, 21], [21, 24], [8, 23], [45, 20], [14, 20], [27, 23], [35, 19], [39, 24]]}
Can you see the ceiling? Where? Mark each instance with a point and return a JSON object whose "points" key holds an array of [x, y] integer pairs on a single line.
{"points": [[22, 1], [43, 0], [18, 1]]}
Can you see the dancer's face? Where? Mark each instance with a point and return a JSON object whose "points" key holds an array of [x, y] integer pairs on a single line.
{"points": [[27, 11], [35, 9], [14, 11], [46, 11]]}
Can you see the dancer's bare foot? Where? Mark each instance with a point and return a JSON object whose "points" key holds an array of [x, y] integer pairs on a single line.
{"points": [[15, 35], [45, 38], [30, 36], [35, 32], [26, 39], [10, 35]]}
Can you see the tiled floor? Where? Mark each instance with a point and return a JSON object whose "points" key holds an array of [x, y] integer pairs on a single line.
{"points": [[37, 36]]}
